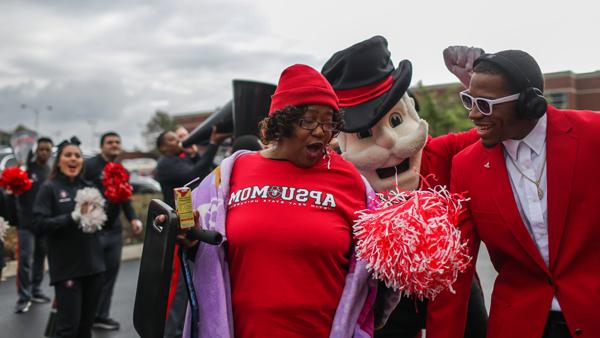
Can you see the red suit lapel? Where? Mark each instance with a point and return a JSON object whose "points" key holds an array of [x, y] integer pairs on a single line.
{"points": [[505, 201], [559, 181], [561, 155]]}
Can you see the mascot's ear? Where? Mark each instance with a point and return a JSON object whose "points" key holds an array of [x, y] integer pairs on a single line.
{"points": [[414, 100], [411, 106]]}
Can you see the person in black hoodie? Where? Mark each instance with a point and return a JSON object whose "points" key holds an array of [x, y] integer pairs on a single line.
{"points": [[173, 171], [111, 236], [75, 257], [32, 248]]}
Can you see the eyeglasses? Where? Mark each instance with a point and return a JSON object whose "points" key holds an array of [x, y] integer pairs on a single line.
{"points": [[484, 105], [312, 125]]}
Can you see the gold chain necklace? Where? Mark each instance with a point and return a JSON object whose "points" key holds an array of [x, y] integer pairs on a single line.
{"points": [[536, 182]]}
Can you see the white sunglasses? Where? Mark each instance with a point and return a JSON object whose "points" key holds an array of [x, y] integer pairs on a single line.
{"points": [[484, 105]]}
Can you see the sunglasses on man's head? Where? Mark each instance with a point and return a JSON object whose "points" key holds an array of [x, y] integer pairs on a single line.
{"points": [[484, 105]]}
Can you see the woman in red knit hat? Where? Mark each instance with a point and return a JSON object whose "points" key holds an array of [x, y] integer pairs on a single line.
{"points": [[286, 215]]}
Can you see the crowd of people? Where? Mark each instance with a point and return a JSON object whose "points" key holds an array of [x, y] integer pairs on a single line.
{"points": [[286, 207], [83, 266]]}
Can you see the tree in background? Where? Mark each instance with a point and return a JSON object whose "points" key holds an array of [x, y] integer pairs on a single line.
{"points": [[160, 122], [442, 109], [6, 135]]}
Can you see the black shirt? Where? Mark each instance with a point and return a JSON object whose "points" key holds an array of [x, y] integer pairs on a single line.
{"points": [[38, 174], [5, 212], [8, 210], [174, 171], [94, 168], [71, 252]]}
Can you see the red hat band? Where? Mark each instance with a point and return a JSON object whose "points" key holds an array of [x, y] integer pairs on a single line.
{"points": [[356, 96]]}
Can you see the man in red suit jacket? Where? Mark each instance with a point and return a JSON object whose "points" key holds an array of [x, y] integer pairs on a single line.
{"points": [[534, 189]]}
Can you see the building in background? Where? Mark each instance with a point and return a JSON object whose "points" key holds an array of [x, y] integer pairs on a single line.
{"points": [[191, 120], [564, 90], [568, 90]]}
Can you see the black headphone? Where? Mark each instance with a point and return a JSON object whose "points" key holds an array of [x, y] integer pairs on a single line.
{"points": [[531, 104]]}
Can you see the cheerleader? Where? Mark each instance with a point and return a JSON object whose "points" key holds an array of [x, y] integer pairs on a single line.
{"points": [[69, 222]]}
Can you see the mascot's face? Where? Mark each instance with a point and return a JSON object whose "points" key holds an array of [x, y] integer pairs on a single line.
{"points": [[390, 152]]}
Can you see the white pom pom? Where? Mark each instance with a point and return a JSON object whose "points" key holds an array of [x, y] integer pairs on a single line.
{"points": [[3, 228], [94, 218]]}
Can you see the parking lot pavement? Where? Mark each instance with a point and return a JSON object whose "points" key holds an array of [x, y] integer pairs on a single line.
{"points": [[33, 323]]}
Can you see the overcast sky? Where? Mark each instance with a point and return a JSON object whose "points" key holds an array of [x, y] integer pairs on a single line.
{"points": [[108, 65]]}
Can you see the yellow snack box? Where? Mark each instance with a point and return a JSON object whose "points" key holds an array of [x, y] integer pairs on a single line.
{"points": [[183, 205]]}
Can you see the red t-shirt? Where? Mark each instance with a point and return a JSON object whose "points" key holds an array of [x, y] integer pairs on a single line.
{"points": [[289, 233]]}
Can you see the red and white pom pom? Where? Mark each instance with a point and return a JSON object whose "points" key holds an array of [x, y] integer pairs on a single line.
{"points": [[116, 183], [94, 218], [16, 180], [3, 228], [410, 241]]}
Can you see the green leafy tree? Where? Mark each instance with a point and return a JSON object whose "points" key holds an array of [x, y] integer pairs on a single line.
{"points": [[21, 127], [6, 135], [160, 122], [441, 108]]}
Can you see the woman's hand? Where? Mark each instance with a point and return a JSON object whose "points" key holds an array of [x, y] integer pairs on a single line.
{"points": [[86, 207], [181, 234]]}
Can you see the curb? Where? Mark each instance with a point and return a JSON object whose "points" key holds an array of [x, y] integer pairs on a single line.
{"points": [[130, 252]]}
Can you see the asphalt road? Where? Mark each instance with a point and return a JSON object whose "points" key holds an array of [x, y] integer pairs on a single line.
{"points": [[32, 323]]}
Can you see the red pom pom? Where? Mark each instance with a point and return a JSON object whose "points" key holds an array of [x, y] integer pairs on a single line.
{"points": [[116, 183], [411, 242], [15, 180]]}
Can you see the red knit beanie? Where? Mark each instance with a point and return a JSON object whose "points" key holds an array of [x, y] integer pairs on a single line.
{"points": [[302, 85]]}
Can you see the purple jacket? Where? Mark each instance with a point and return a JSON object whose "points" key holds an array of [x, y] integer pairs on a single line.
{"points": [[354, 314]]}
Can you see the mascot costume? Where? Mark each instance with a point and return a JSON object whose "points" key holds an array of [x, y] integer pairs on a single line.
{"points": [[389, 144]]}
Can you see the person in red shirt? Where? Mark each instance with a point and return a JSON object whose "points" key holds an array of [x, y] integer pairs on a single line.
{"points": [[288, 270], [286, 265]]}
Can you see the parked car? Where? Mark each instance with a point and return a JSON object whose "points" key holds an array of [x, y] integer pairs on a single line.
{"points": [[143, 184], [6, 161], [143, 166]]}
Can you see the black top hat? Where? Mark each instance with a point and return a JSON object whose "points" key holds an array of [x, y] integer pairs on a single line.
{"points": [[367, 85]]}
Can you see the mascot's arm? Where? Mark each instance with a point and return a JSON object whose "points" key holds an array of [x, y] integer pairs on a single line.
{"points": [[445, 147], [447, 314]]}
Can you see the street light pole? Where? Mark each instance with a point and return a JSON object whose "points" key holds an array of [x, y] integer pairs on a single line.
{"points": [[36, 111]]}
